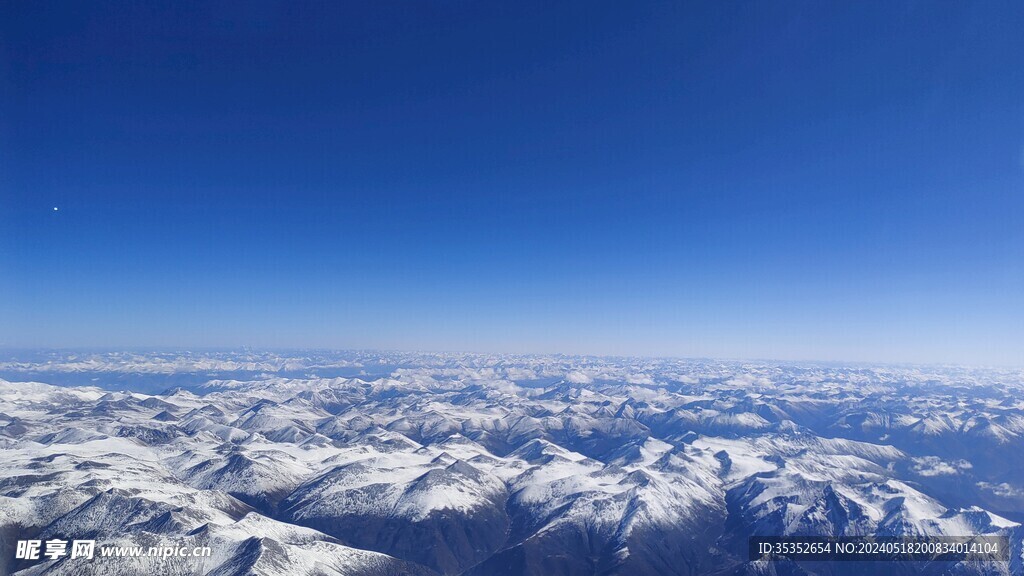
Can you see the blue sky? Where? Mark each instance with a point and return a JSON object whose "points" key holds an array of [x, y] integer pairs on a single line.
{"points": [[791, 180]]}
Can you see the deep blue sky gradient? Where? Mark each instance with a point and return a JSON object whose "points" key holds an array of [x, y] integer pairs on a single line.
{"points": [[794, 180]]}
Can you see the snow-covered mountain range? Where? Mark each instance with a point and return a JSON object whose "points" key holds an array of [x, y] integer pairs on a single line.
{"points": [[427, 464]]}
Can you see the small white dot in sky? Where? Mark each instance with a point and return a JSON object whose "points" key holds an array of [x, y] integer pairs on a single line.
{"points": [[54, 208]]}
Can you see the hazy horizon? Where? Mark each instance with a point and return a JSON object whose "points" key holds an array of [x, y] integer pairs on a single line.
{"points": [[9, 352]]}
